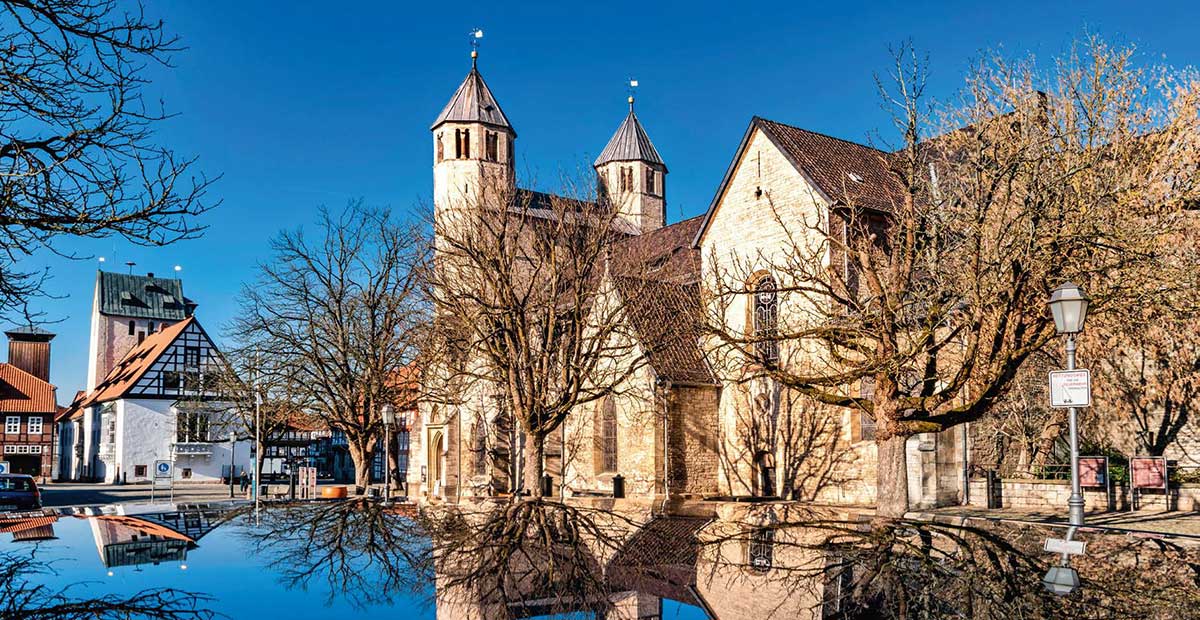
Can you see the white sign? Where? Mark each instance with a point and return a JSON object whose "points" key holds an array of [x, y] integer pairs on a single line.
{"points": [[162, 469], [1068, 547], [1070, 388], [4, 468]]}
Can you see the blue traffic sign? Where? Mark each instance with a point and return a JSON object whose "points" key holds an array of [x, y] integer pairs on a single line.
{"points": [[4, 467]]}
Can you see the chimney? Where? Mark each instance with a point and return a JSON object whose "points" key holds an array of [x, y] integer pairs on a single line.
{"points": [[29, 350]]}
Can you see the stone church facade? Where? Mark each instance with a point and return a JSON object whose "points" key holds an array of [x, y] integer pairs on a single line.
{"points": [[690, 423]]}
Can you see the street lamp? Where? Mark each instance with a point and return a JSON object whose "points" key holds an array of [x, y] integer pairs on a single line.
{"points": [[389, 418], [232, 454], [1069, 306]]}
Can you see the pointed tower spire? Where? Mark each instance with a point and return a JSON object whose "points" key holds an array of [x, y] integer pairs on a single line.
{"points": [[632, 174], [473, 101]]}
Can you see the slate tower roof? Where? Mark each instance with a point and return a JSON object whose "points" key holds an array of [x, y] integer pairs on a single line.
{"points": [[143, 297], [473, 102], [630, 143]]}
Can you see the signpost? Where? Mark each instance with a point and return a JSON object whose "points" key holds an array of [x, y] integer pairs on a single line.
{"points": [[1070, 388], [164, 478], [1065, 546]]}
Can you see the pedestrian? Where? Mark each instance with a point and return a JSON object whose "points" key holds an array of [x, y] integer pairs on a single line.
{"points": [[245, 480]]}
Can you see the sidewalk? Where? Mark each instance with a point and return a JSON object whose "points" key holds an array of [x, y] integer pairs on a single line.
{"points": [[1175, 524]]}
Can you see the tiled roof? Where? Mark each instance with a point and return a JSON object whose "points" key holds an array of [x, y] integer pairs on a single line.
{"points": [[630, 143], [848, 173], [21, 392], [126, 373], [660, 559], [662, 254], [473, 103], [143, 297], [666, 317]]}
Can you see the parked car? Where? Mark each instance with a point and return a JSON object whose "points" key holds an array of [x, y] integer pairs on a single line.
{"points": [[19, 492]]}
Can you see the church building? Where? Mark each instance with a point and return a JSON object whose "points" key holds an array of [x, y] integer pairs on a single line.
{"points": [[690, 424]]}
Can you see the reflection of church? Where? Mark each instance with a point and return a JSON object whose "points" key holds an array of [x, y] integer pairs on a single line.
{"points": [[152, 538]]}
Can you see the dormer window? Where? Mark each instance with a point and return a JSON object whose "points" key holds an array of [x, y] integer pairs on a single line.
{"points": [[492, 146]]}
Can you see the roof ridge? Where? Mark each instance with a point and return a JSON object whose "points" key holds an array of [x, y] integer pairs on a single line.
{"points": [[823, 135]]}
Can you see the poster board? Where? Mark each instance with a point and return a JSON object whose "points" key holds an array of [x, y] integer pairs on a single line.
{"points": [[1093, 471], [1148, 472]]}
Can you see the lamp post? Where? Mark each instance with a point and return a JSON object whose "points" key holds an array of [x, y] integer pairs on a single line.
{"points": [[389, 418], [232, 448], [1069, 305]]}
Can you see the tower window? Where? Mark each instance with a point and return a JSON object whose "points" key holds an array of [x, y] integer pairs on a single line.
{"points": [[458, 142], [626, 179], [132, 327], [493, 146], [440, 148], [466, 144], [650, 180]]}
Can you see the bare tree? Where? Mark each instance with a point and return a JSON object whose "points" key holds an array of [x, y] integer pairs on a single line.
{"points": [[526, 310], [77, 145], [939, 299], [338, 317]]}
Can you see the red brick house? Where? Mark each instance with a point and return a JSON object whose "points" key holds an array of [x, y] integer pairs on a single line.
{"points": [[28, 403]]}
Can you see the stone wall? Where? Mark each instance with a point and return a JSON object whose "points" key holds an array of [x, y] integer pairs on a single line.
{"points": [[693, 455], [1046, 495]]}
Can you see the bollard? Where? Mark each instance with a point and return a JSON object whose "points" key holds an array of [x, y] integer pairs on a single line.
{"points": [[618, 486]]}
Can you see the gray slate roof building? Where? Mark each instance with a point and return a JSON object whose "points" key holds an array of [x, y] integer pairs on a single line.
{"points": [[143, 297], [630, 143], [473, 102]]}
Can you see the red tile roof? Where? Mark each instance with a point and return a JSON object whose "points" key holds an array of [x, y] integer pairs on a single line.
{"points": [[21, 392], [126, 373]]}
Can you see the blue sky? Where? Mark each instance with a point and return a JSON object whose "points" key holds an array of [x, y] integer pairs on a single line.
{"points": [[302, 104]]}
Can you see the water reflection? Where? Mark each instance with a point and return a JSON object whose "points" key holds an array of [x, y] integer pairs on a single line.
{"points": [[598, 559]]}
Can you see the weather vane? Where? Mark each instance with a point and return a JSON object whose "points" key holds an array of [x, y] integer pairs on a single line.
{"points": [[633, 84], [476, 35]]}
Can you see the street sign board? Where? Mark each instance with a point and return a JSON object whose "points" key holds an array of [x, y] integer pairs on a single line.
{"points": [[1070, 388], [4, 468], [162, 469], [1068, 547]]}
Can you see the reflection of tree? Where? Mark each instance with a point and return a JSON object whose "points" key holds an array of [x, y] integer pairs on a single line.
{"points": [[21, 597], [526, 558], [366, 552]]}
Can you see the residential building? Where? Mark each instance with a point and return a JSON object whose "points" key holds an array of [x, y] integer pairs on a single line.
{"points": [[28, 403]]}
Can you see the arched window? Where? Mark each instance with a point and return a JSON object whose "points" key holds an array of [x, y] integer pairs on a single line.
{"points": [[766, 319], [481, 448], [760, 552], [606, 426]]}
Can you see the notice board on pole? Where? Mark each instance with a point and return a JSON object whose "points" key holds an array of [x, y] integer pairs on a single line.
{"points": [[1093, 471], [1148, 472]]}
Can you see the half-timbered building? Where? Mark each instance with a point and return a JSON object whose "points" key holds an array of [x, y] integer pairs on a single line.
{"points": [[160, 402], [28, 403]]}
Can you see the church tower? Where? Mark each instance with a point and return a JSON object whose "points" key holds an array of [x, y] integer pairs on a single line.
{"points": [[472, 146], [632, 176]]}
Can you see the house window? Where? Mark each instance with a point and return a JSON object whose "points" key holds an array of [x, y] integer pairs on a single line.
{"points": [[608, 435], [170, 380], [492, 145], [650, 182], [191, 357], [35, 425], [132, 327], [766, 320], [191, 426], [760, 553], [12, 425], [139, 471], [185, 473], [441, 148]]}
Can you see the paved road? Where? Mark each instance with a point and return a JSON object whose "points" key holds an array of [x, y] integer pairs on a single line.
{"points": [[76, 494]]}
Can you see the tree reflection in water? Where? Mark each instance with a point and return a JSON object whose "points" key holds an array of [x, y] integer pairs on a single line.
{"points": [[21, 597], [367, 553], [621, 559]]}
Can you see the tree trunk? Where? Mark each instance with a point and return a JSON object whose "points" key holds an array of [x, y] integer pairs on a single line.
{"points": [[535, 465], [362, 467], [892, 478]]}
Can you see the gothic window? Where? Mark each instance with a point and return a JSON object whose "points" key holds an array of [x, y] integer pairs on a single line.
{"points": [[132, 327], [650, 180], [766, 320], [492, 146], [866, 423], [481, 444], [760, 554], [458, 143], [608, 435]]}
